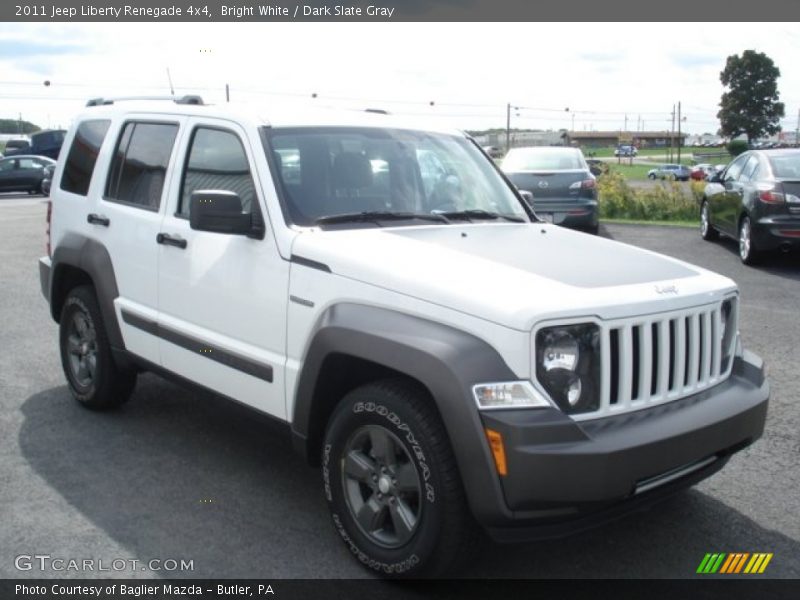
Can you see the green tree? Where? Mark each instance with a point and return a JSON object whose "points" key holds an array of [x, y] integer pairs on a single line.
{"points": [[750, 103], [16, 126]]}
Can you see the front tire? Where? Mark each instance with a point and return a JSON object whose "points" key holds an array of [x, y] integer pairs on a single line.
{"points": [[651, 176], [392, 484], [707, 230], [94, 378]]}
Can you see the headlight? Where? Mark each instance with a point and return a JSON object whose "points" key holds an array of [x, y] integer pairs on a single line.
{"points": [[568, 366], [508, 394], [727, 333], [560, 351]]}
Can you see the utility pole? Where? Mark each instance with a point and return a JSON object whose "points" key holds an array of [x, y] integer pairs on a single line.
{"points": [[508, 127], [679, 133], [797, 131], [626, 122], [672, 134]]}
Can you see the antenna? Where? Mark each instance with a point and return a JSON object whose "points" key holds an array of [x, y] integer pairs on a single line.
{"points": [[169, 78]]}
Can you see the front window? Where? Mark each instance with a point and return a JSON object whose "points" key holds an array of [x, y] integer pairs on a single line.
{"points": [[335, 172]]}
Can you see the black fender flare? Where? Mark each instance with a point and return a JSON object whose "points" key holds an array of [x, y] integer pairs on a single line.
{"points": [[447, 361], [91, 257]]}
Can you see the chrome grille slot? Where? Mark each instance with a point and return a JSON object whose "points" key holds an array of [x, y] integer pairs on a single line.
{"points": [[659, 358]]}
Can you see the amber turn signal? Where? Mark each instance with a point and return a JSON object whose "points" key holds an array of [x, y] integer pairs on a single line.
{"points": [[498, 451]]}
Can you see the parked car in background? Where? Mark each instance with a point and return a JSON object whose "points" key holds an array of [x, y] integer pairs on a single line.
{"points": [[597, 166], [677, 172], [23, 173], [755, 200], [626, 151], [563, 187], [494, 151], [17, 146], [702, 171], [43, 143]]}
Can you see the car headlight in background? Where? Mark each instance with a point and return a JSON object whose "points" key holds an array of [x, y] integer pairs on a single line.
{"points": [[568, 366]]}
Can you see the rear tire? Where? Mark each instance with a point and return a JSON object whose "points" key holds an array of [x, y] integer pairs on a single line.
{"points": [[392, 484], [707, 230], [748, 252], [94, 379]]}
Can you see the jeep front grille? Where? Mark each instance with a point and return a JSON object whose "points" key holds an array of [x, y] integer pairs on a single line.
{"points": [[660, 358]]}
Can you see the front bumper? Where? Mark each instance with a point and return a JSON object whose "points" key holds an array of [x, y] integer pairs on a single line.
{"points": [[565, 476]]}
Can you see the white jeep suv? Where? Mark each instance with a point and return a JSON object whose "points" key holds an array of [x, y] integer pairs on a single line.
{"points": [[453, 364]]}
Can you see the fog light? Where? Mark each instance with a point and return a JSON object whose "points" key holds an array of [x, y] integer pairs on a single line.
{"points": [[574, 391]]}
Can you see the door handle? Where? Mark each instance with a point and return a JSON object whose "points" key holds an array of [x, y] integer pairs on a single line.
{"points": [[96, 219], [171, 240]]}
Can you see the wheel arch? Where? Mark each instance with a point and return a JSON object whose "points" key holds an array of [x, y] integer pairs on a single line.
{"points": [[78, 260], [374, 342]]}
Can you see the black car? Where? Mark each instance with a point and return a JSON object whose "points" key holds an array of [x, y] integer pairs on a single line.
{"points": [[23, 173], [44, 143], [756, 200], [563, 188]]}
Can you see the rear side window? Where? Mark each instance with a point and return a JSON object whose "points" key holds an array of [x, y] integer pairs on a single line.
{"points": [[750, 170], [217, 161], [786, 166], [735, 169], [139, 166], [82, 156]]}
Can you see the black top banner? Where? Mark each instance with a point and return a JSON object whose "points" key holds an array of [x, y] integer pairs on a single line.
{"points": [[713, 11]]}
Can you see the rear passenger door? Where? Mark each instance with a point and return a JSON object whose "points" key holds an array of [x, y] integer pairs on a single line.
{"points": [[128, 218], [727, 211], [222, 297]]}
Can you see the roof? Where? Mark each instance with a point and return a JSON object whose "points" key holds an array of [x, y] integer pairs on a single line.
{"points": [[269, 114], [577, 135]]}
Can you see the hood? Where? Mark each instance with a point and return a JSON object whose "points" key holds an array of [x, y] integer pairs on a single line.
{"points": [[513, 274]]}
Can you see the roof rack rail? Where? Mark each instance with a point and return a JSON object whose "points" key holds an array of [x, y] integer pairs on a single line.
{"points": [[377, 111], [188, 99]]}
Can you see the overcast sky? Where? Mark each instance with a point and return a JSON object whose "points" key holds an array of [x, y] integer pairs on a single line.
{"points": [[601, 72]]}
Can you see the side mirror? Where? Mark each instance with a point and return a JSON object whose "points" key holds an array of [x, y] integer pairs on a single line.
{"points": [[219, 212], [715, 177], [527, 196]]}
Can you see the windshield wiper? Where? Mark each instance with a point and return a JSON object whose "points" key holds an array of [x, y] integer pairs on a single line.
{"points": [[374, 216], [480, 214]]}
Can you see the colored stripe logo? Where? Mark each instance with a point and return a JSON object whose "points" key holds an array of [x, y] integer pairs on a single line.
{"points": [[734, 563]]}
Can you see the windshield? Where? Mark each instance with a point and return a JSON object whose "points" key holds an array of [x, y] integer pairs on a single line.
{"points": [[325, 172], [543, 159]]}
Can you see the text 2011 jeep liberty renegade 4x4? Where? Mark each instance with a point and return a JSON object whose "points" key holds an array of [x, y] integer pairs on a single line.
{"points": [[451, 362]]}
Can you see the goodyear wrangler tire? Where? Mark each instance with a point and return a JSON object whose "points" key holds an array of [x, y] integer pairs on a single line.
{"points": [[392, 484], [94, 378]]}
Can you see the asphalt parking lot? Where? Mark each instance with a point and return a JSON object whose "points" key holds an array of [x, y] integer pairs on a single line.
{"points": [[174, 475]]}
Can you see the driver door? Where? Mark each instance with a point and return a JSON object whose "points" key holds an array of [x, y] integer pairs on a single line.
{"points": [[222, 297]]}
